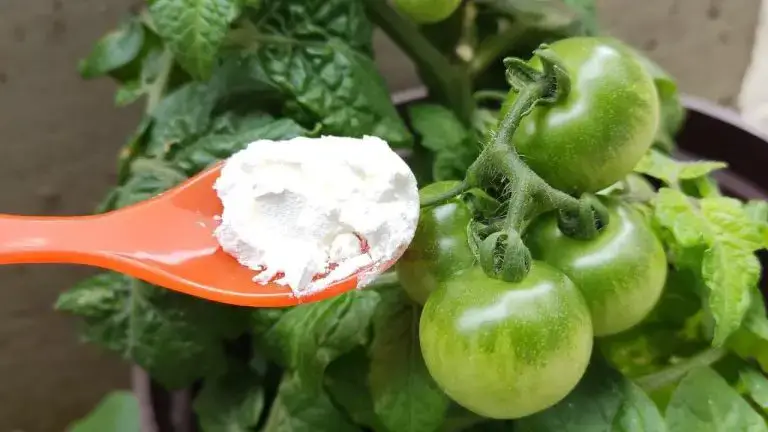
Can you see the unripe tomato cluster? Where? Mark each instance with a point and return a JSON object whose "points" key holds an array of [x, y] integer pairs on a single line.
{"points": [[506, 350]]}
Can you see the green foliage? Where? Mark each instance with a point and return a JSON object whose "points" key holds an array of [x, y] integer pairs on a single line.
{"points": [[215, 75], [194, 30], [178, 339], [604, 401], [308, 338], [705, 402], [441, 132], [115, 50], [405, 397], [232, 402], [117, 412]]}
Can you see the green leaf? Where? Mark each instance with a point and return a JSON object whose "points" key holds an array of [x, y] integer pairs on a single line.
{"points": [[459, 419], [750, 342], [693, 170], [756, 385], [483, 122], [660, 166], [115, 50], [757, 212], [637, 412], [299, 407], [147, 178], [194, 30], [154, 70], [715, 237], [262, 319], [675, 212], [730, 272], [672, 112], [177, 338], [181, 116], [490, 426], [756, 320], [545, 14], [587, 13], [669, 332], [117, 412], [405, 397], [217, 146], [444, 134], [729, 219], [309, 337], [705, 402], [346, 381], [133, 148], [701, 187], [128, 93], [730, 268], [318, 53], [603, 401], [232, 402]]}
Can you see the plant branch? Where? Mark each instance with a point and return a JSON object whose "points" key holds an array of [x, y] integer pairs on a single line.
{"points": [[445, 196], [157, 89], [494, 47], [446, 81]]}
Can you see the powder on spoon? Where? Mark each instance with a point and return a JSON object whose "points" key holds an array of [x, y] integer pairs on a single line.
{"points": [[308, 212]]}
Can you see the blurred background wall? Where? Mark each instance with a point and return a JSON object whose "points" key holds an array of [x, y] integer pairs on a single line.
{"points": [[60, 136]]}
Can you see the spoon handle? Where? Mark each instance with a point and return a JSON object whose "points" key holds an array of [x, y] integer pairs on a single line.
{"points": [[41, 239]]}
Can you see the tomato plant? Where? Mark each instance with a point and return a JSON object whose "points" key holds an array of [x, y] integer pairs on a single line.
{"points": [[507, 350], [594, 136], [621, 272], [507, 336], [440, 247]]}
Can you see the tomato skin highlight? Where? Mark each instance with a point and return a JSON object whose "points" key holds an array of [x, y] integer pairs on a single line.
{"points": [[621, 273], [440, 247], [597, 134], [507, 350]]}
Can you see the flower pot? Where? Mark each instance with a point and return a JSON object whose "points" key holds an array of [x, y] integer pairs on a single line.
{"points": [[710, 132]]}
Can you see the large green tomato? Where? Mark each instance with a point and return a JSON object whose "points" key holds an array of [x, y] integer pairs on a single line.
{"points": [[621, 273], [597, 134], [507, 350], [439, 248]]}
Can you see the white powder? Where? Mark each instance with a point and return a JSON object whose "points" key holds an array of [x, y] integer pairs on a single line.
{"points": [[305, 207]]}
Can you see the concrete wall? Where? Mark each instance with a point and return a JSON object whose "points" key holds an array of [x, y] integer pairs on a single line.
{"points": [[60, 136], [59, 140]]}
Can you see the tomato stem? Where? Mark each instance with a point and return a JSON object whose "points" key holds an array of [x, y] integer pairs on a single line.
{"points": [[447, 81], [503, 254], [586, 220], [445, 196]]}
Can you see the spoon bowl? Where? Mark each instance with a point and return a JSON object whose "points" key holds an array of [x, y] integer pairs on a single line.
{"points": [[166, 240]]}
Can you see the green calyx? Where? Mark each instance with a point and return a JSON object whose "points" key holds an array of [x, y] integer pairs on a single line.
{"points": [[502, 253]]}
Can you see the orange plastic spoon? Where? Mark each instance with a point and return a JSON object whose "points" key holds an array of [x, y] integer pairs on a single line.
{"points": [[167, 241]]}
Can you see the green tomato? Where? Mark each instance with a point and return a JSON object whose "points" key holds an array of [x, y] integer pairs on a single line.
{"points": [[427, 11], [597, 134], [440, 248], [621, 273], [507, 350]]}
